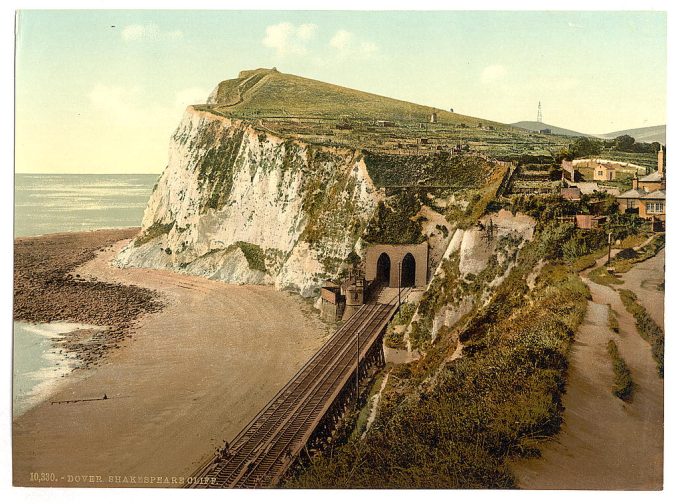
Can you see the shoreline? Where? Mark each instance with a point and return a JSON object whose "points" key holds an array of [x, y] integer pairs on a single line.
{"points": [[46, 290], [57, 234], [183, 379], [43, 364]]}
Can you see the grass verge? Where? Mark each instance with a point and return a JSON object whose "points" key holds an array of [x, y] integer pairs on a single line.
{"points": [[613, 320], [647, 328], [587, 261], [623, 380], [154, 231]]}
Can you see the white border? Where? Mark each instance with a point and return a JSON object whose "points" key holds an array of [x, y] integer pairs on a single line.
{"points": [[56, 496]]}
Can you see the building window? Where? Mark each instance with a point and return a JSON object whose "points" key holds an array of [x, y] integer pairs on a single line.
{"points": [[599, 173], [655, 208]]}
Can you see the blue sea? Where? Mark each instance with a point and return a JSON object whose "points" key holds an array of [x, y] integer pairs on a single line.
{"points": [[57, 203]]}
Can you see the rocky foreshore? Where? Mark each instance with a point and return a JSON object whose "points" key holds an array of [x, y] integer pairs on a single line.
{"points": [[45, 290]]}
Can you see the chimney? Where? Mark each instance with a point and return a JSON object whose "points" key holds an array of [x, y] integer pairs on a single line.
{"points": [[635, 181], [660, 160]]}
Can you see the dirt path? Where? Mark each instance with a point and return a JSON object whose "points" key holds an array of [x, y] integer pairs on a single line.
{"points": [[604, 443], [644, 280], [190, 377]]}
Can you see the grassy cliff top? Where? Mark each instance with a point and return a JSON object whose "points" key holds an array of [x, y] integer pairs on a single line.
{"points": [[325, 114], [270, 93]]}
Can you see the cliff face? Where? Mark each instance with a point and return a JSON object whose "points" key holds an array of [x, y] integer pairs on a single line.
{"points": [[244, 206]]}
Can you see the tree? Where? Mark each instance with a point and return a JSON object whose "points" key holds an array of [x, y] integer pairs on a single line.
{"points": [[624, 143], [353, 258], [585, 146]]}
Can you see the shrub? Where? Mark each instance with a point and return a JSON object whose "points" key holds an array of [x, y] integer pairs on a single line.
{"points": [[392, 223], [253, 254], [154, 231], [627, 253], [647, 328], [623, 380], [613, 320]]}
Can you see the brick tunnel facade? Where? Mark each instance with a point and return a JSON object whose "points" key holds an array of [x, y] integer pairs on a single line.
{"points": [[386, 262]]}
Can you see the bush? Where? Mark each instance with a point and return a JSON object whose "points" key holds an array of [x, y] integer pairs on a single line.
{"points": [[154, 231], [623, 380], [253, 254], [393, 223], [627, 253], [613, 320], [647, 328]]}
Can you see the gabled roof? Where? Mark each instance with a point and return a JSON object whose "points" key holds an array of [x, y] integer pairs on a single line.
{"points": [[632, 193], [588, 187], [655, 195], [652, 177]]}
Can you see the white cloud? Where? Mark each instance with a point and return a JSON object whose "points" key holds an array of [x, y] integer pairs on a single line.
{"points": [[150, 31], [286, 38], [341, 39], [493, 73], [348, 44], [306, 31]]}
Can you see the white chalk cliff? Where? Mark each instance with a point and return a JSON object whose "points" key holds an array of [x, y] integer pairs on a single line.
{"points": [[241, 205]]}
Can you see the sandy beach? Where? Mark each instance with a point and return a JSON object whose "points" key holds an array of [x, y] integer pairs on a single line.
{"points": [[182, 380]]}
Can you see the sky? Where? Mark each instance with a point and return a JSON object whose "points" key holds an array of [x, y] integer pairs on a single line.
{"points": [[102, 91]]}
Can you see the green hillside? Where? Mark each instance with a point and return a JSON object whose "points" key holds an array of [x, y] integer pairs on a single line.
{"points": [[325, 114], [555, 130], [272, 93]]}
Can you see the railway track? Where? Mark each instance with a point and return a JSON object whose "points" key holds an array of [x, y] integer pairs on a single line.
{"points": [[265, 448]]}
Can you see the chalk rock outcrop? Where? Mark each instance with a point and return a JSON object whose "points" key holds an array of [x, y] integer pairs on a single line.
{"points": [[241, 205]]}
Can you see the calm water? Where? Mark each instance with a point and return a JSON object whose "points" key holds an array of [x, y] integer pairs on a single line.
{"points": [[39, 365], [57, 203]]}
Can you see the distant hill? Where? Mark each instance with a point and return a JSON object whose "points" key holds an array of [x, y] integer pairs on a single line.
{"points": [[555, 130], [647, 134]]}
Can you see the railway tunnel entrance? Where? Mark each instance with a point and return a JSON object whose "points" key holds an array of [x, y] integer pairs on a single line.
{"points": [[383, 268], [408, 271], [384, 262]]}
